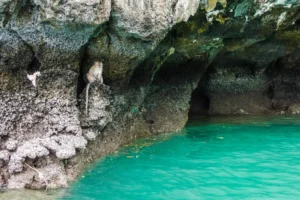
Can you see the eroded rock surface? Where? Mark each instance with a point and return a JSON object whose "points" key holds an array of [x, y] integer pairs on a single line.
{"points": [[161, 60]]}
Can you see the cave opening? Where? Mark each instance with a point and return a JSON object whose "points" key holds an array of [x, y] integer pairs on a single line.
{"points": [[199, 103]]}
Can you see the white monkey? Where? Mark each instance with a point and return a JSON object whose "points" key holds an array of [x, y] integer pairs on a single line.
{"points": [[94, 74]]}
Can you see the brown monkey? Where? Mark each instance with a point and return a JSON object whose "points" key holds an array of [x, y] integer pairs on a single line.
{"points": [[94, 74]]}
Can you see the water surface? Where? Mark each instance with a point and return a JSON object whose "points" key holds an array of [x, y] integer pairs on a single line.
{"points": [[215, 158]]}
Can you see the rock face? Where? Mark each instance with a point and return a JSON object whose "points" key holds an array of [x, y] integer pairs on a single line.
{"points": [[162, 61]]}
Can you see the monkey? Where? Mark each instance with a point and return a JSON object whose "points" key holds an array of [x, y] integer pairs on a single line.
{"points": [[94, 74]]}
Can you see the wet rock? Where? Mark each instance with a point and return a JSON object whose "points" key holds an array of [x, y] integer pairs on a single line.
{"points": [[294, 109]]}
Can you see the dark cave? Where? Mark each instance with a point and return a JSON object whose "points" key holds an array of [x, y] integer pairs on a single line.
{"points": [[199, 103]]}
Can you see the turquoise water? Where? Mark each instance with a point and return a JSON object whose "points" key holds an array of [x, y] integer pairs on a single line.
{"points": [[218, 158]]}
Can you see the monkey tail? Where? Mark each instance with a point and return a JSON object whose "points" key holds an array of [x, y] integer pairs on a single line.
{"points": [[87, 98]]}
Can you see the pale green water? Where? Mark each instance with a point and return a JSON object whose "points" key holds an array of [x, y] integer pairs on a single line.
{"points": [[221, 158]]}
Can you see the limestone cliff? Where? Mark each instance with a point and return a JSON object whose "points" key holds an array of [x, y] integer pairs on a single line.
{"points": [[162, 60]]}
